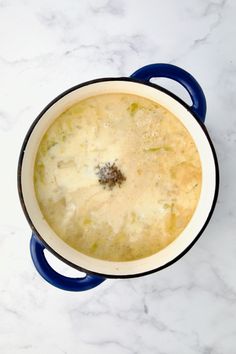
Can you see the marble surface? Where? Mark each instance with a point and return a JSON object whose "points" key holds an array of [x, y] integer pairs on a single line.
{"points": [[45, 48]]}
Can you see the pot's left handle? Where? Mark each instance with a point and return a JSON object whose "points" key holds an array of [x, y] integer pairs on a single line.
{"points": [[53, 277]]}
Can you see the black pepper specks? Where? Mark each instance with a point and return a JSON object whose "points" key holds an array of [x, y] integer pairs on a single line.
{"points": [[109, 175]]}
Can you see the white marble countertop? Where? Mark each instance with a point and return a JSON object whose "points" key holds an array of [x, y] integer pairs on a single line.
{"points": [[49, 46]]}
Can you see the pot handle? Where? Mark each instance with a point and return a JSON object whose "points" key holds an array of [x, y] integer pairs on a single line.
{"points": [[175, 73], [56, 279]]}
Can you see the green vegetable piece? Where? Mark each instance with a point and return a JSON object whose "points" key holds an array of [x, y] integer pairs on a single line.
{"points": [[154, 149], [166, 206], [94, 247], [40, 170], [87, 221], [133, 108], [158, 148], [51, 144]]}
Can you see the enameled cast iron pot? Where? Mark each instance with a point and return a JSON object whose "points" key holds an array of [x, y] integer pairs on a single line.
{"points": [[97, 270]]}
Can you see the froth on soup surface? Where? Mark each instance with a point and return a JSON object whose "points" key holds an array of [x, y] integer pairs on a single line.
{"points": [[117, 177]]}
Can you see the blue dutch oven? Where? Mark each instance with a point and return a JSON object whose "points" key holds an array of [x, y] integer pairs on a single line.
{"points": [[192, 117]]}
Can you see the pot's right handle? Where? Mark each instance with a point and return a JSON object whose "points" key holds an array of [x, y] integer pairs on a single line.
{"points": [[173, 72]]}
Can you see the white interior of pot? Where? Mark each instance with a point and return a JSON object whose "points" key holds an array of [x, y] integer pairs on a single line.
{"points": [[190, 232]]}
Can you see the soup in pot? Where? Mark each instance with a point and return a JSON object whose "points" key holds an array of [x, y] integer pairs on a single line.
{"points": [[117, 177]]}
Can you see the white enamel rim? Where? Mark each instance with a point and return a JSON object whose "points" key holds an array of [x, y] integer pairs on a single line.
{"points": [[107, 268]]}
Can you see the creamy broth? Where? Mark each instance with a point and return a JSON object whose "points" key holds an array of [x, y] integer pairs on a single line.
{"points": [[117, 177]]}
